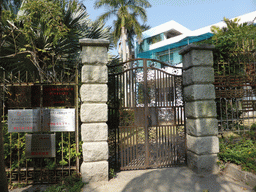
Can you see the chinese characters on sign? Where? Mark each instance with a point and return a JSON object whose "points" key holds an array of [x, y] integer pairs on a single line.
{"points": [[24, 120], [29, 120], [58, 95], [58, 120], [40, 145]]}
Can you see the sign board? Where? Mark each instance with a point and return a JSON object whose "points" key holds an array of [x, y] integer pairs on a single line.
{"points": [[23, 96], [27, 120], [58, 120], [40, 145], [58, 95]]}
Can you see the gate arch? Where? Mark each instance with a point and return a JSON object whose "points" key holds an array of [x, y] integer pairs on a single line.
{"points": [[146, 115]]}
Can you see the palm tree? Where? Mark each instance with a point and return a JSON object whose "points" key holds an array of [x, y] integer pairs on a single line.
{"points": [[127, 13], [44, 36]]}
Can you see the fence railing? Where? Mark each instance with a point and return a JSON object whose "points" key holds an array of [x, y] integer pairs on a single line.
{"points": [[23, 91], [235, 86]]}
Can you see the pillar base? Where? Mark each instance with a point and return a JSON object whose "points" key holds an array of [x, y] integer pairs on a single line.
{"points": [[94, 171], [203, 164]]}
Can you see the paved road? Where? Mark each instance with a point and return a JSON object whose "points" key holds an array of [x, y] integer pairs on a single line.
{"points": [[179, 179]]}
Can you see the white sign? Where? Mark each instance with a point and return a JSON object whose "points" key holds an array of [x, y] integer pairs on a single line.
{"points": [[56, 120], [27, 120]]}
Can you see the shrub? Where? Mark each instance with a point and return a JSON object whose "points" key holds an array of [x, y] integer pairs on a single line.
{"points": [[241, 152]]}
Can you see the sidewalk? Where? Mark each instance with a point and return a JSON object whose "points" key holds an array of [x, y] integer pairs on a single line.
{"points": [[178, 179]]}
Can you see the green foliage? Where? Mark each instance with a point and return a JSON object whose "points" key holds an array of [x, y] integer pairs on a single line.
{"points": [[239, 151], [253, 127], [44, 35], [43, 12], [112, 173], [14, 150], [71, 183], [229, 42], [126, 13]]}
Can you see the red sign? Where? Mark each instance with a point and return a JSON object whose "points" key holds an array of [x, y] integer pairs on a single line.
{"points": [[58, 95]]}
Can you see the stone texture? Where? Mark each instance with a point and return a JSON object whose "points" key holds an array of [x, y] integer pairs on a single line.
{"points": [[235, 172], [94, 113], [94, 92], [198, 75], [94, 55], [94, 74], [202, 127], [203, 145], [95, 151], [94, 171], [94, 110], [198, 58], [200, 109], [197, 55], [94, 42], [202, 164], [199, 92], [94, 132]]}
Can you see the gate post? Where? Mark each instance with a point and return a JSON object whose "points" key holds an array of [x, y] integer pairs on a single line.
{"points": [[200, 108], [94, 110]]}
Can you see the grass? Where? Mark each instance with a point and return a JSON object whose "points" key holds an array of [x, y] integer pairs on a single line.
{"points": [[240, 150], [71, 183]]}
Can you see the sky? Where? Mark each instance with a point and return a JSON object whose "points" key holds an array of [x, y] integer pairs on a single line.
{"points": [[192, 14]]}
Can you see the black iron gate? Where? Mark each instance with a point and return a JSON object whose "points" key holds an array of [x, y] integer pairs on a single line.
{"points": [[146, 115]]}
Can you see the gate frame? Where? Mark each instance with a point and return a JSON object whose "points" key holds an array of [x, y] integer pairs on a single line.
{"points": [[145, 68]]}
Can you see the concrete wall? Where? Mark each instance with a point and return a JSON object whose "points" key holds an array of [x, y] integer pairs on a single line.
{"points": [[200, 108]]}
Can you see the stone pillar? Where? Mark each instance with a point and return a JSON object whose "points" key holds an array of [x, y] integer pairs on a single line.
{"points": [[94, 110], [200, 108]]}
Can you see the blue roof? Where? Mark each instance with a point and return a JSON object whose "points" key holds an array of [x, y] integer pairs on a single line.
{"points": [[183, 42]]}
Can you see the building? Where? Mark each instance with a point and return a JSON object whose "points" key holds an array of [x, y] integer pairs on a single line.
{"points": [[165, 41]]}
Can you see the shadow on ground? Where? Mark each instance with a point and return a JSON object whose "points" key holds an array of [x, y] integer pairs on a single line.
{"points": [[167, 180]]}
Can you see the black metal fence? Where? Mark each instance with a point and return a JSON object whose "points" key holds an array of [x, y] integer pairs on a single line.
{"points": [[235, 85], [24, 91]]}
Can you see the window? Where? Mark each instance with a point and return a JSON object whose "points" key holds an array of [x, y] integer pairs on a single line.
{"points": [[165, 56], [172, 33], [156, 38]]}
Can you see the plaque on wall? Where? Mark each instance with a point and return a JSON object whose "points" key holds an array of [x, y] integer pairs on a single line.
{"points": [[23, 96], [40, 145], [58, 95], [56, 120], [27, 120]]}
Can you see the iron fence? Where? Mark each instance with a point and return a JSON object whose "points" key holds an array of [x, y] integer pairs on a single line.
{"points": [[23, 91], [235, 86]]}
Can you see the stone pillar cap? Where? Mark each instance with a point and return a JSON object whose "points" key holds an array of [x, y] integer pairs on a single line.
{"points": [[94, 42], [197, 47]]}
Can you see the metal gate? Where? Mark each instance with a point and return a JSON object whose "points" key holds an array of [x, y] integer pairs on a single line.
{"points": [[146, 115]]}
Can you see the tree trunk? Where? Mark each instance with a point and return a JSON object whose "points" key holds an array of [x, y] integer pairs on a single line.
{"points": [[123, 35]]}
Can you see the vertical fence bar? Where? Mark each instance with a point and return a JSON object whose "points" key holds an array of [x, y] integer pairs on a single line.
{"points": [[69, 151], [145, 90], [62, 155], [77, 120]]}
